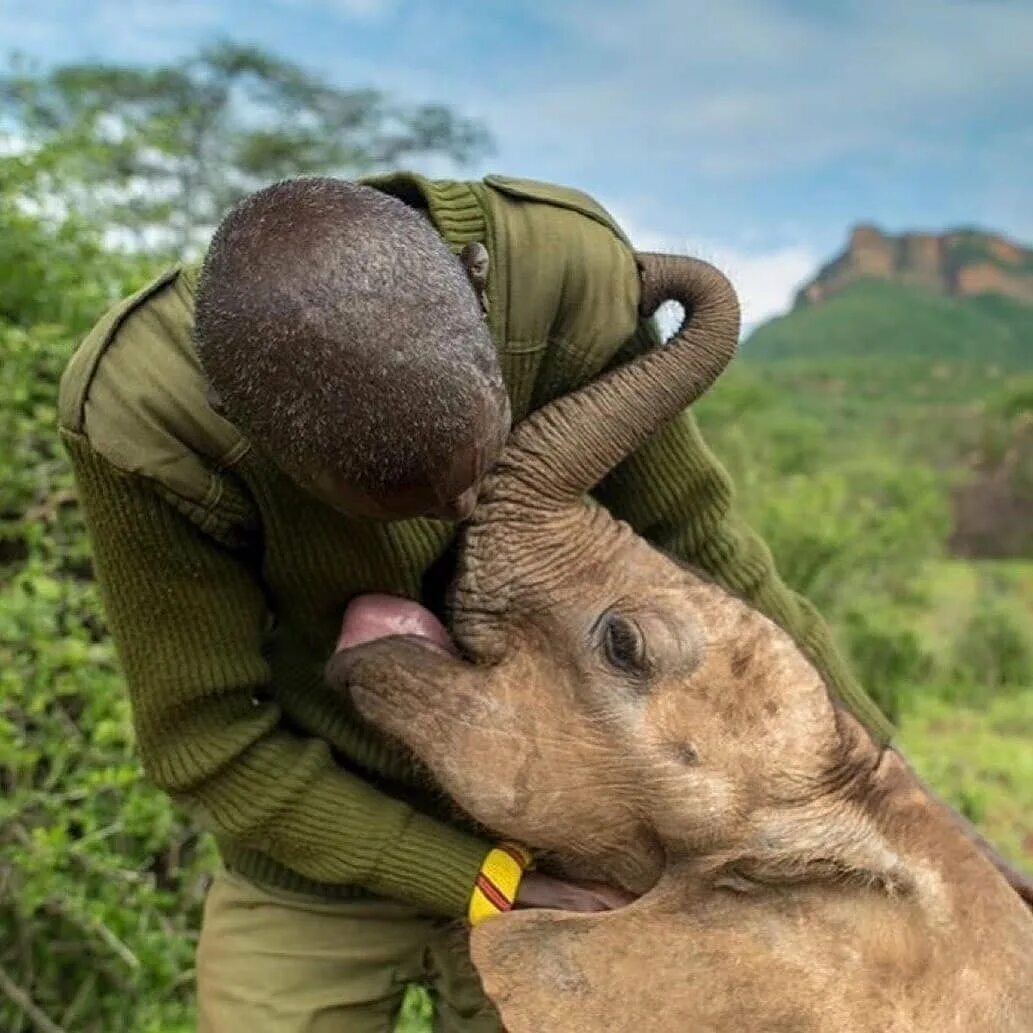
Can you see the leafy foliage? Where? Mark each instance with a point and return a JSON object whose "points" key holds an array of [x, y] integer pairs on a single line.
{"points": [[158, 153], [101, 880], [995, 648], [42, 281], [978, 757]]}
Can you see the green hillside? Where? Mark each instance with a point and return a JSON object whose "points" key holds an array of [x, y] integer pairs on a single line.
{"points": [[872, 319], [926, 377]]}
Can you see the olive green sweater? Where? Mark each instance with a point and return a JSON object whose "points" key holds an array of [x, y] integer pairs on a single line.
{"points": [[224, 583]]}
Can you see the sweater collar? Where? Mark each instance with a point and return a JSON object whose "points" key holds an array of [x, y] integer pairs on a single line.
{"points": [[453, 207]]}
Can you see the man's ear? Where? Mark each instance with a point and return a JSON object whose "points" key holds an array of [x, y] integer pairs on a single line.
{"points": [[213, 399], [476, 261]]}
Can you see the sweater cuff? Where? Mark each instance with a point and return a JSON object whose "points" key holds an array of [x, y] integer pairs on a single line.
{"points": [[432, 865]]}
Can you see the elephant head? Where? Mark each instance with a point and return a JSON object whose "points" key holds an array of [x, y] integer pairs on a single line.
{"points": [[608, 705]]}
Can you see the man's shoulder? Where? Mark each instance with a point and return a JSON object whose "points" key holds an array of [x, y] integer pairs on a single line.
{"points": [[511, 189], [92, 351], [556, 249], [464, 209], [135, 389], [565, 295]]}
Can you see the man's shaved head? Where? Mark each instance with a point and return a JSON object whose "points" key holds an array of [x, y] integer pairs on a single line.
{"points": [[339, 331]]}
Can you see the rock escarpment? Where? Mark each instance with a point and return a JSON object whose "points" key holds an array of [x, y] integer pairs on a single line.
{"points": [[961, 263]]}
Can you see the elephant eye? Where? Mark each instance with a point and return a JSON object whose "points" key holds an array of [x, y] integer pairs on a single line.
{"points": [[624, 644]]}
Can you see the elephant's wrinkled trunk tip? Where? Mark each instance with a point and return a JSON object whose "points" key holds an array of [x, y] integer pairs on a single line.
{"points": [[565, 448]]}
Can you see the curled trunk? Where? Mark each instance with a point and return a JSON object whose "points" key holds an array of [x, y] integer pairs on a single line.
{"points": [[565, 448]]}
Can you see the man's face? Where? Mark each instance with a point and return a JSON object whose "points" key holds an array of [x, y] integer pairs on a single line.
{"points": [[449, 492]]}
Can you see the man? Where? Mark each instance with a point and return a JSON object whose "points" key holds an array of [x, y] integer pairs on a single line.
{"points": [[299, 426]]}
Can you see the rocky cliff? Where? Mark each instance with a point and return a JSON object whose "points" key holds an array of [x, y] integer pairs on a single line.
{"points": [[959, 262]]}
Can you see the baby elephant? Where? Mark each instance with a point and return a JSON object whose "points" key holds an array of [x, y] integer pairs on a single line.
{"points": [[641, 725]]}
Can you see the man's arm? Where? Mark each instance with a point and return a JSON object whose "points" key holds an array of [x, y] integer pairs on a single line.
{"points": [[187, 617]]}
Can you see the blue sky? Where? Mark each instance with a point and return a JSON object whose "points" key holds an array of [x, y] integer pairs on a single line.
{"points": [[754, 133]]}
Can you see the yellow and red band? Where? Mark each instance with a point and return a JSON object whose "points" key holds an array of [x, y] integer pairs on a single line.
{"points": [[496, 885]]}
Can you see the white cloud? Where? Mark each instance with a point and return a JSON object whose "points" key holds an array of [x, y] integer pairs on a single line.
{"points": [[11, 144], [766, 280]]}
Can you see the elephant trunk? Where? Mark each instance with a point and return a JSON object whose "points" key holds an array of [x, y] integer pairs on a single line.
{"points": [[565, 448]]}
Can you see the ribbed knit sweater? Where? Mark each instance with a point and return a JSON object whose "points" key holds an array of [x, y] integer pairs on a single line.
{"points": [[224, 582]]}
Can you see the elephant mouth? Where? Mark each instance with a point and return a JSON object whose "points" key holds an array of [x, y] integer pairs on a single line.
{"points": [[371, 617], [370, 625]]}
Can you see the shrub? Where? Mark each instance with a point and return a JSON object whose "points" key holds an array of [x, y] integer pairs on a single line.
{"points": [[994, 651], [859, 529], [100, 879], [887, 654]]}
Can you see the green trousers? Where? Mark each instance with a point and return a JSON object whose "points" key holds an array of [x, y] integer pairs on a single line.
{"points": [[276, 962]]}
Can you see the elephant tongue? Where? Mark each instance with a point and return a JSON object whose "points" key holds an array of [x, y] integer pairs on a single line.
{"points": [[369, 617]]}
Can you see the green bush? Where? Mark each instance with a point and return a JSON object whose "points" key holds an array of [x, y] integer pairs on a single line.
{"points": [[887, 653], [853, 530], [994, 651], [100, 879], [979, 759], [1013, 401], [56, 275]]}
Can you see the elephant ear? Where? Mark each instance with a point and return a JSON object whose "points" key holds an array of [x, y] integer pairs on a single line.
{"points": [[703, 965], [534, 973], [569, 973]]}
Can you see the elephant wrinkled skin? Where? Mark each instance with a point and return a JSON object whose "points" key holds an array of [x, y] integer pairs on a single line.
{"points": [[638, 724]]}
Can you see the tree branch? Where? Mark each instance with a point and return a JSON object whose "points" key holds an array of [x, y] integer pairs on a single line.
{"points": [[22, 1000]]}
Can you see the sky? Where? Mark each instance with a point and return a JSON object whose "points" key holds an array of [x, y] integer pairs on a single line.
{"points": [[751, 132]]}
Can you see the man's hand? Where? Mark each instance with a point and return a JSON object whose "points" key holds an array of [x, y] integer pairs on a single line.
{"points": [[539, 890]]}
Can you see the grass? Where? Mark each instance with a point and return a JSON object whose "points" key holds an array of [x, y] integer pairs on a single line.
{"points": [[979, 759], [952, 589]]}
